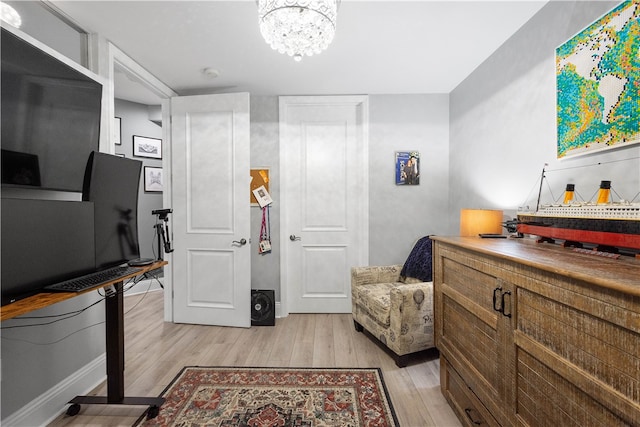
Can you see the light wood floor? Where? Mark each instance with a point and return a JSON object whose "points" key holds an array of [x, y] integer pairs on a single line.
{"points": [[157, 350]]}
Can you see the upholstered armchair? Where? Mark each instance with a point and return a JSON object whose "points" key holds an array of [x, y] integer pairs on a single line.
{"points": [[395, 303]]}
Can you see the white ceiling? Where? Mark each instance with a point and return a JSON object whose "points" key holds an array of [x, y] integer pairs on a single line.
{"points": [[381, 47]]}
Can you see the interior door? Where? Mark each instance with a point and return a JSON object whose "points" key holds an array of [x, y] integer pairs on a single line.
{"points": [[210, 186], [324, 192]]}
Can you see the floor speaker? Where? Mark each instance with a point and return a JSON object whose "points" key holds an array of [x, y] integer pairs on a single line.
{"points": [[263, 307]]}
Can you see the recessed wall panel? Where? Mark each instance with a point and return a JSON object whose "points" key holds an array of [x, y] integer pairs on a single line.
{"points": [[205, 289], [209, 160], [324, 268], [325, 183]]}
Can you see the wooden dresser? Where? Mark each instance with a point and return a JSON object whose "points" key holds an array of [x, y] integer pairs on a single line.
{"points": [[535, 334]]}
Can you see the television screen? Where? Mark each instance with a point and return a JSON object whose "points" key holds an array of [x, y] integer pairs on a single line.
{"points": [[111, 183], [44, 242], [50, 118]]}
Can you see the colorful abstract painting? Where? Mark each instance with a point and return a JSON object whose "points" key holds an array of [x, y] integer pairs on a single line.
{"points": [[598, 84]]}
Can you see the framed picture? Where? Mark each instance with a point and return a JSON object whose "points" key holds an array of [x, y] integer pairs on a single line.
{"points": [[259, 178], [117, 131], [407, 168], [597, 91], [153, 179], [144, 146]]}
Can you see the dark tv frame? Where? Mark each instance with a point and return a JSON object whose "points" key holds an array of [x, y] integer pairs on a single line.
{"points": [[91, 145]]}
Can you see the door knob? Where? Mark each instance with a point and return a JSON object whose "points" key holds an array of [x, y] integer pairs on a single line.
{"points": [[240, 242], [293, 238]]}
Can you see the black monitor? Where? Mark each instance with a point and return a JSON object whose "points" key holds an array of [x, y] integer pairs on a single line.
{"points": [[44, 242], [51, 112], [111, 183]]}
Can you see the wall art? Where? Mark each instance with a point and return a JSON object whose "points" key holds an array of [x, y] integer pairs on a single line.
{"points": [[147, 147], [407, 168], [153, 179], [117, 131], [597, 81]]}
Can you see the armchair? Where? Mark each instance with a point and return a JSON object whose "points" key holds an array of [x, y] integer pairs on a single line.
{"points": [[395, 303]]}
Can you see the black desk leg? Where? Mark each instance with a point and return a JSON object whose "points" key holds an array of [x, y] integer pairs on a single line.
{"points": [[114, 325]]}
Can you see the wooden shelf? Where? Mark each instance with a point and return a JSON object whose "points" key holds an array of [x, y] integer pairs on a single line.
{"points": [[45, 299]]}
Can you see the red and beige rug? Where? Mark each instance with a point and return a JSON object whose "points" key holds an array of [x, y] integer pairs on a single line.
{"points": [[276, 397]]}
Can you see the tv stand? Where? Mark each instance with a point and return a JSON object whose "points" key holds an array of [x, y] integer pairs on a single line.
{"points": [[114, 321]]}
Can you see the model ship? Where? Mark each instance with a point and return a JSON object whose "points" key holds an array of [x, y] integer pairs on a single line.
{"points": [[604, 225]]}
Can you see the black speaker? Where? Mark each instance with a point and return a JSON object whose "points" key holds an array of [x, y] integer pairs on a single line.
{"points": [[263, 307]]}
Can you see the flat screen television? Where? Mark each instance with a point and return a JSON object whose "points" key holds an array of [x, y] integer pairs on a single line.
{"points": [[44, 242], [50, 116], [111, 183]]}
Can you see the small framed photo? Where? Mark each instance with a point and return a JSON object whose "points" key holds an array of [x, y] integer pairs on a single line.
{"points": [[153, 179], [407, 168], [144, 146], [117, 131]]}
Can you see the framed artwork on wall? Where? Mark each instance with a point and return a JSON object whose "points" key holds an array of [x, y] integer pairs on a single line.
{"points": [[153, 179], [144, 146], [407, 168], [117, 132], [597, 78]]}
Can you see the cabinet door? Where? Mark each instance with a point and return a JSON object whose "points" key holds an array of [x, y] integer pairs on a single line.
{"points": [[578, 355], [475, 332]]}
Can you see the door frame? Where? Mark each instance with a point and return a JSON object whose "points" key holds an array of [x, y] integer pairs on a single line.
{"points": [[283, 101], [104, 56]]}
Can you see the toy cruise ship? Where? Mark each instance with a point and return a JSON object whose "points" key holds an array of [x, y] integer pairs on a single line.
{"points": [[606, 225]]}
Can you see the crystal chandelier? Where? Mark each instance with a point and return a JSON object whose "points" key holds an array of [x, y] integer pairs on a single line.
{"points": [[298, 27]]}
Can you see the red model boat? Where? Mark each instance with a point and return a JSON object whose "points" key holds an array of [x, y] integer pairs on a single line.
{"points": [[603, 224]]}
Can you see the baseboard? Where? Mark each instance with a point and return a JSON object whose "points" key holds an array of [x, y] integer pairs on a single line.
{"points": [[50, 404], [144, 286], [278, 310]]}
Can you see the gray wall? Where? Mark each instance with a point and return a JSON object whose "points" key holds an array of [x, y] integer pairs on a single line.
{"points": [[398, 215], [503, 122]]}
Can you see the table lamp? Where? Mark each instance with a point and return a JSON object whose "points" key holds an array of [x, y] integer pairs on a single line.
{"points": [[480, 221]]}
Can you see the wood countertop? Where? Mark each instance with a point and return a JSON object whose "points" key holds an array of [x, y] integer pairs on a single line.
{"points": [[45, 299], [621, 274]]}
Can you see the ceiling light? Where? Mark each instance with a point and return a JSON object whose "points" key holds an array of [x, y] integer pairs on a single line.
{"points": [[10, 15], [298, 27]]}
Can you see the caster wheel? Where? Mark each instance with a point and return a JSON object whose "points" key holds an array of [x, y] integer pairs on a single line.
{"points": [[73, 410], [153, 412]]}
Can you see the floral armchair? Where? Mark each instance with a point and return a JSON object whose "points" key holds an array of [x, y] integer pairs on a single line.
{"points": [[395, 303]]}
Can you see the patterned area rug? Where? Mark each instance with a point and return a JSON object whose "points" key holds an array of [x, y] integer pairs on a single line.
{"points": [[275, 397]]}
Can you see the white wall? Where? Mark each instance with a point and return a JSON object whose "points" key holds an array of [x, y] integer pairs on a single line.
{"points": [[399, 215], [503, 122]]}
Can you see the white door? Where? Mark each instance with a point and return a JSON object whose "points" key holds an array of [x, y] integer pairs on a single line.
{"points": [[210, 185], [324, 190]]}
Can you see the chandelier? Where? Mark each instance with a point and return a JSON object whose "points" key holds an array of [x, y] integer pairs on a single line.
{"points": [[298, 27]]}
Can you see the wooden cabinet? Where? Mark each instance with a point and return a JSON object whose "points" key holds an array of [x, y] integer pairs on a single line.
{"points": [[535, 334]]}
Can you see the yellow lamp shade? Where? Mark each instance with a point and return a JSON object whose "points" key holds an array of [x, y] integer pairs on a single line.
{"points": [[477, 221]]}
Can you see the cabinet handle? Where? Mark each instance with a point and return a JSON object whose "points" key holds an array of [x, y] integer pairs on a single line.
{"points": [[468, 412], [503, 305], [495, 300]]}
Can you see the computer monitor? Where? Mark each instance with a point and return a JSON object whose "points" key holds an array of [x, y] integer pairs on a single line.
{"points": [[112, 183], [44, 242]]}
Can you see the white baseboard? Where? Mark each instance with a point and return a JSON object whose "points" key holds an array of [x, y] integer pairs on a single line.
{"points": [[49, 405], [144, 286]]}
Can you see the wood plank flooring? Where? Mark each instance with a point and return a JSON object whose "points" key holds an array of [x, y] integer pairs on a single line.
{"points": [[157, 350]]}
